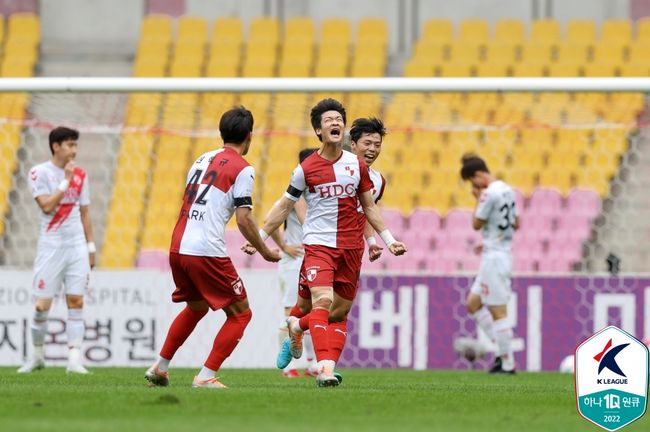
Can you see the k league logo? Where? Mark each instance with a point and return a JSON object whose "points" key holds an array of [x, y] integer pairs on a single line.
{"points": [[611, 378]]}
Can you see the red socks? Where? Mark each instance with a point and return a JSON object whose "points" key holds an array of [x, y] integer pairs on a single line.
{"points": [[227, 339], [337, 333], [296, 312], [180, 329], [318, 320]]}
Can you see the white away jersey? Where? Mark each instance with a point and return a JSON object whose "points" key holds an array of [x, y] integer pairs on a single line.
{"points": [[378, 186], [292, 236], [498, 209], [218, 182], [331, 189], [63, 226]]}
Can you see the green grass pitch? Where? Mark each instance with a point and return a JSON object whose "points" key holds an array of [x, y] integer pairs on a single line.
{"points": [[117, 399]]}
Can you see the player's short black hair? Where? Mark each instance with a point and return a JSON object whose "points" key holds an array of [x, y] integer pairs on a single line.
{"points": [[305, 153], [60, 134], [323, 106], [235, 125], [471, 165], [368, 125]]}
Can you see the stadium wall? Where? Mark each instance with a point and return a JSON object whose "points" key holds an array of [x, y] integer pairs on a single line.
{"points": [[398, 321]]}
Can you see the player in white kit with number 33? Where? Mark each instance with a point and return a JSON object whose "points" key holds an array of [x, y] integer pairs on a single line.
{"points": [[497, 216]]}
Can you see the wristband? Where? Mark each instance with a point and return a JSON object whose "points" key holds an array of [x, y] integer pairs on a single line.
{"points": [[371, 240], [91, 247], [263, 234], [63, 186], [387, 237]]}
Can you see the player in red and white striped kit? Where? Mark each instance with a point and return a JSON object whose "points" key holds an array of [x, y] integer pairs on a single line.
{"points": [[66, 250], [219, 184], [332, 181]]}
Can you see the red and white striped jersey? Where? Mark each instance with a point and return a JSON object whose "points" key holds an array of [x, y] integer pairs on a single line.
{"points": [[378, 186], [62, 227], [218, 182], [331, 190]]}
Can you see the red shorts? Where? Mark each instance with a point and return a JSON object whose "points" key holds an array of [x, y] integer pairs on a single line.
{"points": [[213, 279], [326, 266]]}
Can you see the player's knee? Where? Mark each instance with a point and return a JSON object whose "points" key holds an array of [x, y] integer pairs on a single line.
{"points": [[245, 317], [75, 303]]}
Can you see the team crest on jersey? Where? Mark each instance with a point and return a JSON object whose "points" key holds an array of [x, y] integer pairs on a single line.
{"points": [[311, 273], [34, 175], [349, 169], [41, 284], [237, 286]]}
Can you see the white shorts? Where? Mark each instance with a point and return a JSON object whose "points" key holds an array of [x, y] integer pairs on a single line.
{"points": [[289, 274], [53, 267], [493, 281]]}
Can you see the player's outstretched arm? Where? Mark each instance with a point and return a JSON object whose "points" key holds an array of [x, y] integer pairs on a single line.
{"points": [[374, 218], [248, 228], [84, 212]]}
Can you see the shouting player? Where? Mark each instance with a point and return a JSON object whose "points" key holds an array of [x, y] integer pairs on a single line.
{"points": [[218, 184], [332, 181], [497, 216], [66, 251]]}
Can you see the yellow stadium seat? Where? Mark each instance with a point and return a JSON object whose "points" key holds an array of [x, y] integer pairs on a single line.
{"points": [[572, 53], [264, 29], [521, 179], [457, 70], [227, 30], [473, 30], [509, 31], [335, 29], [639, 53], [367, 69], [263, 68], [503, 53], [643, 30], [463, 52], [2, 28], [634, 70], [438, 30], [24, 26], [545, 31], [222, 67], [528, 70], [186, 68], [18, 69], [418, 69], [536, 52], [617, 31], [593, 179], [608, 53], [297, 68], [299, 28], [192, 28], [557, 178], [327, 68], [156, 27], [581, 32], [152, 48], [599, 70], [372, 29], [430, 51], [492, 70], [565, 70]]}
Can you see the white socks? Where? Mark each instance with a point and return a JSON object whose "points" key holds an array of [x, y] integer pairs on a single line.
{"points": [[206, 374], [163, 364], [503, 336], [308, 347], [484, 320], [75, 328], [39, 329]]}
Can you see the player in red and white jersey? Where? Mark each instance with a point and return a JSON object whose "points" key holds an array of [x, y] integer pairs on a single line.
{"points": [[331, 181], [219, 184], [66, 250]]}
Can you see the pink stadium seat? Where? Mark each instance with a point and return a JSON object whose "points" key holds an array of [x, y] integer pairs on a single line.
{"points": [[424, 219], [153, 259], [394, 220], [528, 247], [554, 265], [522, 263], [538, 222], [583, 201], [239, 259], [459, 220], [545, 201], [258, 263], [234, 240]]}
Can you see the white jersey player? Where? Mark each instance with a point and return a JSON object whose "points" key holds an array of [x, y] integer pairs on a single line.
{"points": [[497, 216], [66, 251], [289, 239], [219, 184]]}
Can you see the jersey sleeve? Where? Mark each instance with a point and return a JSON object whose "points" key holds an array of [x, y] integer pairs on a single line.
{"points": [[84, 196], [243, 187], [484, 207], [381, 190], [365, 184], [297, 185], [38, 182]]}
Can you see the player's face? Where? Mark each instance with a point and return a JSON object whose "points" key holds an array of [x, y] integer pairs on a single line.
{"points": [[65, 151], [368, 146], [331, 127], [479, 181]]}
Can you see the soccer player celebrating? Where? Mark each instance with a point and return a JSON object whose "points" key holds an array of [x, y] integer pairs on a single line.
{"points": [[497, 216], [219, 184], [332, 181], [289, 239], [66, 251]]}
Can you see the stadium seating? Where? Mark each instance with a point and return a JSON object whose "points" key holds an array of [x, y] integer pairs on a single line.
{"points": [[559, 150]]}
